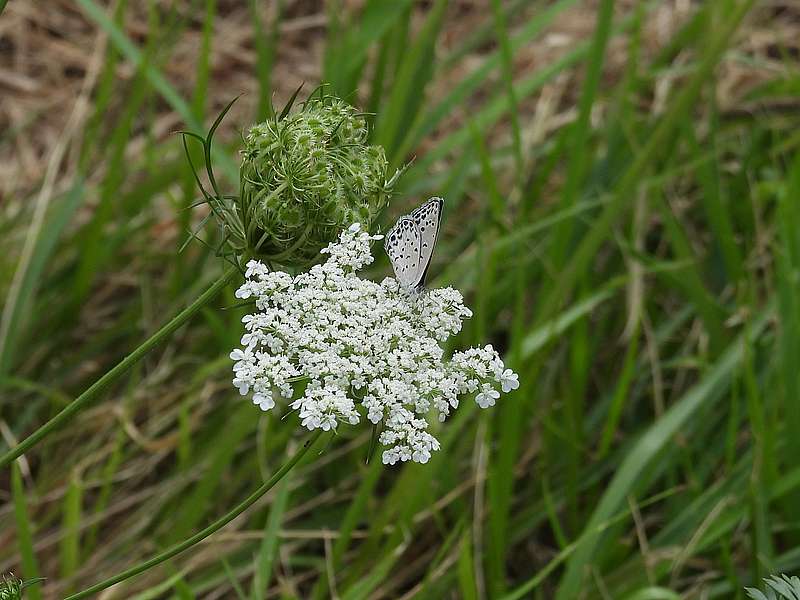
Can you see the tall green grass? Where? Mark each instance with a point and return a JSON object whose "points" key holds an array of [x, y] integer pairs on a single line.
{"points": [[638, 268]]}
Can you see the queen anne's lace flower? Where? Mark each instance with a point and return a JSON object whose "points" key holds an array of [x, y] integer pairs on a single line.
{"points": [[338, 347]]}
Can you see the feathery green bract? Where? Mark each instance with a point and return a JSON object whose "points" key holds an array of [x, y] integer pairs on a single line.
{"points": [[779, 587], [304, 176]]}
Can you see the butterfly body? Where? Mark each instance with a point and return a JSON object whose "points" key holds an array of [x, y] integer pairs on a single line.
{"points": [[410, 242]]}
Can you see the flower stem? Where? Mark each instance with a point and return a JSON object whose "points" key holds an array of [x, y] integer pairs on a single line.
{"points": [[201, 535], [118, 371]]}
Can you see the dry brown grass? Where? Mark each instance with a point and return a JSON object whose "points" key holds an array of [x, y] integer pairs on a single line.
{"points": [[46, 50]]}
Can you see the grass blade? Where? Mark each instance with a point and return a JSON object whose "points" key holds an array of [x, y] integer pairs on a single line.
{"points": [[408, 88], [43, 248], [154, 76], [626, 480], [30, 567], [269, 543], [71, 542], [625, 189], [266, 47]]}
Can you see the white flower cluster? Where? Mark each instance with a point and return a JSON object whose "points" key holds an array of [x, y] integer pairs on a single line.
{"points": [[350, 347]]}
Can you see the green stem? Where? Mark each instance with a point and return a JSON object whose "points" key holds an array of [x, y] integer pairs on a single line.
{"points": [[118, 371], [201, 535]]}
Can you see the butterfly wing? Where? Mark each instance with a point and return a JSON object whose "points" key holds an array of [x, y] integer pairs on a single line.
{"points": [[427, 219], [402, 244]]}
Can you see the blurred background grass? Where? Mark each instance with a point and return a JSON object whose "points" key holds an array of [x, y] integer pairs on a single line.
{"points": [[621, 182]]}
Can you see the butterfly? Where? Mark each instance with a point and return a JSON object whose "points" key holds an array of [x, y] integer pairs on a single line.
{"points": [[409, 243]]}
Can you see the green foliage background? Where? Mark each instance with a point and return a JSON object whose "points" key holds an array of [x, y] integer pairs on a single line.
{"points": [[637, 264]]}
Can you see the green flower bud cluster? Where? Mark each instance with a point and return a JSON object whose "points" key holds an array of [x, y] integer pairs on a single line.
{"points": [[10, 588], [307, 176]]}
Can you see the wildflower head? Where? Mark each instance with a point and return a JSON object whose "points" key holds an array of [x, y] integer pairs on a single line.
{"points": [[303, 177], [340, 349], [10, 588], [306, 176]]}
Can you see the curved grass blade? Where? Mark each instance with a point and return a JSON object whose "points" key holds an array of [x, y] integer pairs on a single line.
{"points": [[631, 472]]}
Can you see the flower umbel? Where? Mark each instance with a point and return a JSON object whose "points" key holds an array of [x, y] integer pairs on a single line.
{"points": [[338, 348]]}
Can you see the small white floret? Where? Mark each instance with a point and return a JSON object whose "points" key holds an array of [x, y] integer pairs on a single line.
{"points": [[487, 396]]}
